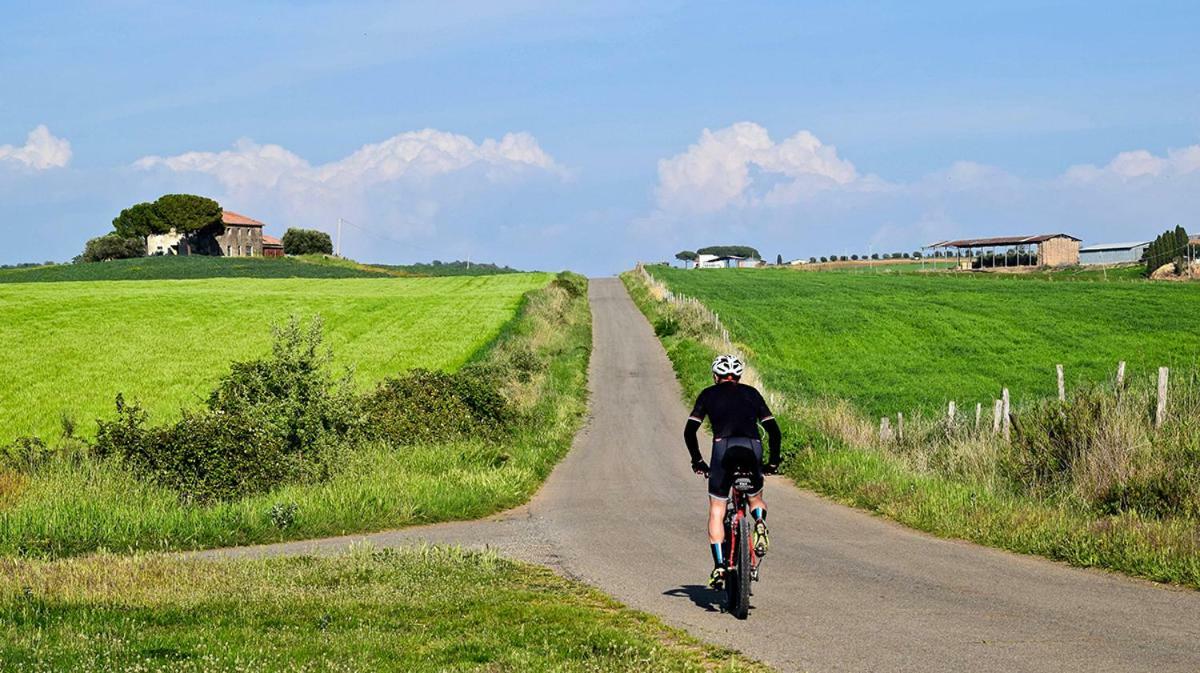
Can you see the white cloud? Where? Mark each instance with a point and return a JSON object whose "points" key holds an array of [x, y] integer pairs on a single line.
{"points": [[41, 151], [411, 155], [1139, 164], [717, 171]]}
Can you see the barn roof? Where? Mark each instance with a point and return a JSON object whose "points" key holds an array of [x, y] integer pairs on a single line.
{"points": [[1114, 246], [271, 240], [238, 219], [999, 240]]}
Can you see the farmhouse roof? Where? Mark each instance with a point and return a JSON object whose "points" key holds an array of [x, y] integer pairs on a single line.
{"points": [[271, 240], [999, 240], [238, 219], [1114, 246]]}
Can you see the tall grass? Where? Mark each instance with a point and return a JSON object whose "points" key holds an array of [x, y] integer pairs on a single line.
{"points": [[75, 504], [1090, 480]]}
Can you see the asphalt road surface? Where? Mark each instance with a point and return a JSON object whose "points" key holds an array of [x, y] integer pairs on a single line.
{"points": [[841, 590]]}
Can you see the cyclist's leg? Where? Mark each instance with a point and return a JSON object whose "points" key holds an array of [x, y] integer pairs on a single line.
{"points": [[718, 495]]}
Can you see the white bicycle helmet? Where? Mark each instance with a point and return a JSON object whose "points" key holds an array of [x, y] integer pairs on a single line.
{"points": [[728, 365]]}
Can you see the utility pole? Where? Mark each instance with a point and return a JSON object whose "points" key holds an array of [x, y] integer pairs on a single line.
{"points": [[338, 249]]}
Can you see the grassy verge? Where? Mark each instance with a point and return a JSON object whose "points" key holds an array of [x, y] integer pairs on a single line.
{"points": [[422, 610], [76, 505], [820, 454]]}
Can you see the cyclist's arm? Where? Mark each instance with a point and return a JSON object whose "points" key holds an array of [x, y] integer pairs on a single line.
{"points": [[774, 435], [690, 440], [774, 439], [692, 426]]}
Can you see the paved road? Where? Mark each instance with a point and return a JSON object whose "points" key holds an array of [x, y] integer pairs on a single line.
{"points": [[841, 590]]}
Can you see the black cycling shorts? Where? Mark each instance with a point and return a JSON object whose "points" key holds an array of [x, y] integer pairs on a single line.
{"points": [[728, 454]]}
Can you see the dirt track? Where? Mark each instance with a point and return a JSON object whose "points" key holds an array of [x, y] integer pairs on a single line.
{"points": [[841, 590]]}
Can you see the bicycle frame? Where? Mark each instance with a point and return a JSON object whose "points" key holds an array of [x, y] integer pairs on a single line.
{"points": [[737, 509]]}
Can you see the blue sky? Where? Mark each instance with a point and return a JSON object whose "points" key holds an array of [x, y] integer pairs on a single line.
{"points": [[592, 136]]}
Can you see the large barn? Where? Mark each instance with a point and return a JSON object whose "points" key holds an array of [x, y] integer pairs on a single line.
{"points": [[1113, 253], [1013, 251]]}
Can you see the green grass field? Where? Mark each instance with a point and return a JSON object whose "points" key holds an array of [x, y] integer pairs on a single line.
{"points": [[903, 342], [177, 268], [374, 610], [76, 504], [71, 347]]}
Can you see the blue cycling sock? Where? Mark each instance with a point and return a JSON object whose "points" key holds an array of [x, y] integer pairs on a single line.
{"points": [[718, 555], [758, 513]]}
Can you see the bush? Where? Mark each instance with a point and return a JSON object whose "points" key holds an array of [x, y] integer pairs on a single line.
{"points": [[666, 326], [112, 246], [280, 419], [293, 390], [427, 406], [25, 454], [574, 284], [307, 242]]}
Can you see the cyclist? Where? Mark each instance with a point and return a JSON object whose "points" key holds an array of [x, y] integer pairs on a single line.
{"points": [[735, 411]]}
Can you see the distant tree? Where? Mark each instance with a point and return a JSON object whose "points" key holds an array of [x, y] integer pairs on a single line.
{"points": [[112, 246], [874, 255], [824, 259], [778, 260], [843, 258], [187, 213], [813, 260], [730, 250], [854, 257], [1170, 246], [917, 254], [311, 242], [139, 221], [907, 256], [686, 256]]}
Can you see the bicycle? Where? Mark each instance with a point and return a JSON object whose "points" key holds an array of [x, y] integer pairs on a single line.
{"points": [[741, 563]]}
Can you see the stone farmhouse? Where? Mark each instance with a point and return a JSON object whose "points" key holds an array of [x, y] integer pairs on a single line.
{"points": [[236, 236]]}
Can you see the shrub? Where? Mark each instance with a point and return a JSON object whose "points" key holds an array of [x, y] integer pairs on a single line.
{"points": [[279, 419], [24, 454], [666, 326], [428, 406], [112, 246], [294, 390], [575, 285], [307, 242]]}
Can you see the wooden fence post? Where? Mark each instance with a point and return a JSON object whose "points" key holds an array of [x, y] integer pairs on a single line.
{"points": [[1007, 420], [978, 415], [885, 431], [950, 412], [997, 408], [1120, 374], [900, 426], [1062, 388], [1160, 414]]}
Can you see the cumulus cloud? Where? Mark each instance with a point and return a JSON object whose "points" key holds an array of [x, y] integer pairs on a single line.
{"points": [[741, 165], [411, 155], [1139, 164], [800, 197], [42, 151], [399, 185]]}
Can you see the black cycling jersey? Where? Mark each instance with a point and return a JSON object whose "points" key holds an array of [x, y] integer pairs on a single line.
{"points": [[735, 410]]}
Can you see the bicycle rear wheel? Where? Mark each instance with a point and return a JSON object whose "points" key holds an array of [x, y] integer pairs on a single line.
{"points": [[739, 586]]}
